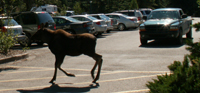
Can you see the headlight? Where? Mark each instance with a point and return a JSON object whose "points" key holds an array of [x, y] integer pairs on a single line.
{"points": [[142, 28], [173, 28]]}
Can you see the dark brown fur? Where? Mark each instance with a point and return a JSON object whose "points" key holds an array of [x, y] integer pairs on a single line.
{"points": [[62, 43]]}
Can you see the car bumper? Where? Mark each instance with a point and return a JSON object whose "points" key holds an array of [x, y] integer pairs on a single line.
{"points": [[20, 38], [157, 35], [101, 29], [110, 28]]}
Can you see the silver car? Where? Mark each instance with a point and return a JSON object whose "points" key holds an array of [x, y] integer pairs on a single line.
{"points": [[125, 21], [8, 24], [133, 13], [100, 25], [108, 20]]}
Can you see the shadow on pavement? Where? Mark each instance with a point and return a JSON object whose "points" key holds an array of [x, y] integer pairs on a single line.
{"points": [[7, 68], [55, 88], [163, 44]]}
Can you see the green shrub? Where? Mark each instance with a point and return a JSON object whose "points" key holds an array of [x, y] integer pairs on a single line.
{"points": [[6, 42], [184, 77]]}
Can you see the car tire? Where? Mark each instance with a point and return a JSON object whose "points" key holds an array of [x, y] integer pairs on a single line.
{"points": [[189, 34], [27, 41], [121, 27], [143, 41], [179, 39]]}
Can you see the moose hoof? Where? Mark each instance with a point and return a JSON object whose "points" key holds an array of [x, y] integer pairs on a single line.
{"points": [[52, 82], [70, 74]]}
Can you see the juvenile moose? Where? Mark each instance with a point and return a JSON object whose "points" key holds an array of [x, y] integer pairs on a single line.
{"points": [[62, 43]]}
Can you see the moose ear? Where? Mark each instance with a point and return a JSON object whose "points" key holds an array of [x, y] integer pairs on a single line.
{"points": [[46, 24]]}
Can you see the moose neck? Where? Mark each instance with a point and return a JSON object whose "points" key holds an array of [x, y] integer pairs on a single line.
{"points": [[48, 36]]}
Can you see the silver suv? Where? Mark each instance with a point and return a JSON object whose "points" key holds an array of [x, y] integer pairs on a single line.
{"points": [[31, 21]]}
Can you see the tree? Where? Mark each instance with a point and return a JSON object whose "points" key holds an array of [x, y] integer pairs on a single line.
{"points": [[133, 4], [77, 8]]}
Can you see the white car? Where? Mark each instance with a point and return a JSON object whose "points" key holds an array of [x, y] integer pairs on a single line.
{"points": [[109, 21], [124, 21], [8, 24], [100, 25]]}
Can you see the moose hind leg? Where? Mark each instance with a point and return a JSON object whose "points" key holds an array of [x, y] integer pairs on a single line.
{"points": [[99, 60], [59, 60]]}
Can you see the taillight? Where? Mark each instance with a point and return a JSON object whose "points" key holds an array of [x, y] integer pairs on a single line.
{"points": [[85, 25], [132, 19], [54, 27], [98, 23], [3, 29], [111, 21], [139, 18], [38, 26]]}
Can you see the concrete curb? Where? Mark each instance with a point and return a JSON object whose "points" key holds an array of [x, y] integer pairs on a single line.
{"points": [[13, 58]]}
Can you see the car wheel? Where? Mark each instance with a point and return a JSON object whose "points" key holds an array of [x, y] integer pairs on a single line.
{"points": [[189, 34], [26, 42], [121, 27], [143, 41], [179, 39]]}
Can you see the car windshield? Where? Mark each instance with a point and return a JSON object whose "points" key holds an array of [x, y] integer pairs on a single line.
{"points": [[147, 11], [163, 15], [72, 19], [92, 18], [105, 17], [8, 22]]}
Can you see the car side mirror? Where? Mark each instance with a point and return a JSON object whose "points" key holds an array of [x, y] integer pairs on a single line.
{"points": [[145, 18], [184, 16]]}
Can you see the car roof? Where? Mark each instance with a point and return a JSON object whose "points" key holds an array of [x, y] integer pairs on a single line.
{"points": [[127, 11], [164, 9], [114, 14]]}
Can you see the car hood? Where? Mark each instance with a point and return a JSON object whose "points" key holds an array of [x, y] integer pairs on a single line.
{"points": [[160, 21]]}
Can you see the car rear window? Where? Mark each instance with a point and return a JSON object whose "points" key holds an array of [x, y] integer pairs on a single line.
{"points": [[8, 22], [45, 17]]}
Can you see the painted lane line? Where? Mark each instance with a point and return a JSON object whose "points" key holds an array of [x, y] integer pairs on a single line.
{"points": [[111, 80], [133, 91]]}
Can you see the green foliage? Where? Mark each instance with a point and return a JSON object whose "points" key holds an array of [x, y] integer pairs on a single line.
{"points": [[197, 26], [6, 42], [184, 77]]}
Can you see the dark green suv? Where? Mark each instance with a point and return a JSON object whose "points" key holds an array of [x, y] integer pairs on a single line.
{"points": [[31, 21]]}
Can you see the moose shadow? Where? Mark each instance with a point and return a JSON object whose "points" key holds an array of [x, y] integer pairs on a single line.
{"points": [[7, 68], [55, 88]]}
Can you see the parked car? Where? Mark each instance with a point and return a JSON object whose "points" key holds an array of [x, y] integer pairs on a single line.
{"points": [[31, 21], [8, 24], [69, 13], [133, 13], [166, 23], [100, 25], [124, 21], [145, 11], [73, 26], [109, 21]]}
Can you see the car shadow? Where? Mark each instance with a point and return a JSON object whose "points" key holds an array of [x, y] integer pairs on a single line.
{"points": [[164, 44], [55, 88]]}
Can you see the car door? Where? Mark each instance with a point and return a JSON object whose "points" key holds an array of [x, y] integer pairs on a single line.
{"points": [[183, 22]]}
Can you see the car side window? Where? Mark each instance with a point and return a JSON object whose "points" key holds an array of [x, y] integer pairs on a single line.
{"points": [[60, 21], [79, 18], [28, 19]]}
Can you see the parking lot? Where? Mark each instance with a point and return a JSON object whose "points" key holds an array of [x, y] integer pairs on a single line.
{"points": [[127, 66]]}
